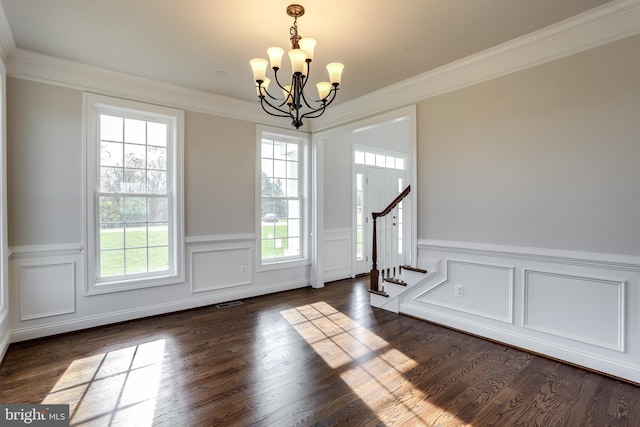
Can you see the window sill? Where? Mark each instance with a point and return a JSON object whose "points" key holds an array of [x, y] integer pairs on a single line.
{"points": [[279, 265], [100, 288]]}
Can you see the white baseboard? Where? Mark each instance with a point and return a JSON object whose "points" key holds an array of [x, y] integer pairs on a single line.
{"points": [[53, 328]]}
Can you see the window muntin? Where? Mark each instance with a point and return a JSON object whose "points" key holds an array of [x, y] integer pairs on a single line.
{"points": [[282, 203], [135, 211]]}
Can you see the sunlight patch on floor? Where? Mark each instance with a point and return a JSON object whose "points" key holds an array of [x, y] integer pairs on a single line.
{"points": [[379, 378], [115, 388]]}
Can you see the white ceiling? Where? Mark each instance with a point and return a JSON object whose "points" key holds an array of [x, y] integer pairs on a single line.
{"points": [[206, 44]]}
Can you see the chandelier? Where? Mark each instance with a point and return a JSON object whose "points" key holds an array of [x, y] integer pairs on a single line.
{"points": [[294, 103]]}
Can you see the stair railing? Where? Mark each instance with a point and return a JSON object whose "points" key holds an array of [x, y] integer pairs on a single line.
{"points": [[390, 263]]}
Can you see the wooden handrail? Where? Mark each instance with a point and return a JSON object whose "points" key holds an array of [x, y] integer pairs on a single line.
{"points": [[393, 204], [375, 274]]}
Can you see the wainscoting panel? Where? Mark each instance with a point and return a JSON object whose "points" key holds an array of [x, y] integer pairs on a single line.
{"points": [[583, 309], [46, 290], [580, 307], [45, 279], [219, 265], [337, 249], [480, 289]]}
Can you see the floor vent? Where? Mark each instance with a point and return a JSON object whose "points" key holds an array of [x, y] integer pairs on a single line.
{"points": [[228, 304]]}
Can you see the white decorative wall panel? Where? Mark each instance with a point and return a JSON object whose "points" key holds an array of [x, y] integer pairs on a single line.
{"points": [[580, 307], [218, 268], [337, 254], [486, 290], [46, 290], [583, 309]]}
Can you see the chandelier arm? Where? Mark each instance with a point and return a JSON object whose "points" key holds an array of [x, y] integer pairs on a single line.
{"points": [[282, 113], [320, 110], [275, 76]]}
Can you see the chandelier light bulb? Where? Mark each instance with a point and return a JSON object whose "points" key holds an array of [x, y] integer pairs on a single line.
{"points": [[308, 45], [275, 56], [297, 57], [259, 67], [324, 88], [335, 72]]}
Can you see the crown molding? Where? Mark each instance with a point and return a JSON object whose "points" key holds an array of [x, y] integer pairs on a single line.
{"points": [[7, 43], [605, 24], [28, 65], [610, 22]]}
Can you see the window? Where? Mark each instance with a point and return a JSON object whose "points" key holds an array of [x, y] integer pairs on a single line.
{"points": [[135, 232], [377, 159], [282, 202]]}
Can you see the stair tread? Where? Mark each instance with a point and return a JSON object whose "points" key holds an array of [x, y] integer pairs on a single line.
{"points": [[381, 293], [417, 270], [395, 281]]}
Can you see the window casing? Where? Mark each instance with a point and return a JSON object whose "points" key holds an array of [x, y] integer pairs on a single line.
{"points": [[135, 231], [282, 208]]}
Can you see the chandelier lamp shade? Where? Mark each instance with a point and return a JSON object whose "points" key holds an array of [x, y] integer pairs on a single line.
{"points": [[294, 102]]}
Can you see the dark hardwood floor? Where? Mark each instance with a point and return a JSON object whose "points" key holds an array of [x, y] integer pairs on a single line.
{"points": [[307, 358]]}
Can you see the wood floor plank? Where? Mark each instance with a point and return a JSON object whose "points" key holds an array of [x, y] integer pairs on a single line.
{"points": [[309, 357]]}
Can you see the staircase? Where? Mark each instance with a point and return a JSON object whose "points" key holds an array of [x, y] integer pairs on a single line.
{"points": [[390, 277]]}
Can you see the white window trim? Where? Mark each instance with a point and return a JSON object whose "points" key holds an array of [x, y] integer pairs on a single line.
{"points": [[305, 162], [176, 157]]}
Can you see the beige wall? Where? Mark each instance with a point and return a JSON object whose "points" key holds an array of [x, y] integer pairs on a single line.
{"points": [[44, 163], [220, 169], [45, 168], [546, 157]]}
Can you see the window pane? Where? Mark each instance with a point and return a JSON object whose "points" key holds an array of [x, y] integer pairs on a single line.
{"points": [[391, 162], [268, 249], [136, 260], [279, 150], [135, 235], [157, 134], [135, 156], [157, 158], [112, 237], [292, 151], [280, 207], [267, 167], [267, 149], [159, 234], [111, 153], [292, 188], [294, 208], [292, 171], [293, 229], [111, 209], [111, 263], [158, 209], [359, 157], [135, 131], [157, 182], [279, 169], [111, 128], [370, 159], [135, 209], [399, 163], [293, 247], [281, 229], [159, 259], [111, 179], [134, 181]]}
